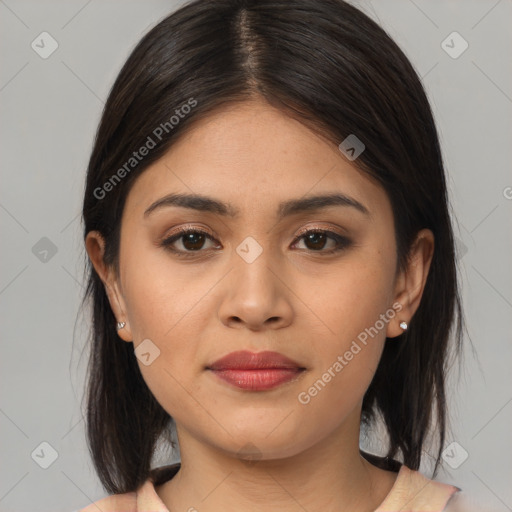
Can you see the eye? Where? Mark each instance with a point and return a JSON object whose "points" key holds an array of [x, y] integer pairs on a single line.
{"points": [[315, 240], [191, 240]]}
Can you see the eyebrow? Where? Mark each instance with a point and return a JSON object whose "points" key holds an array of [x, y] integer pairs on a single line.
{"points": [[285, 209]]}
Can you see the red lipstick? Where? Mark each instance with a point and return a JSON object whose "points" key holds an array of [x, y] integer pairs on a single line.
{"points": [[258, 371]]}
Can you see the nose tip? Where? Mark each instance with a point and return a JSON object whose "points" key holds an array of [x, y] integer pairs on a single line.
{"points": [[256, 297], [256, 326]]}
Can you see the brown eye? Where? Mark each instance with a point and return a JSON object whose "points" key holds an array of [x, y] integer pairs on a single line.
{"points": [[191, 240], [315, 240]]}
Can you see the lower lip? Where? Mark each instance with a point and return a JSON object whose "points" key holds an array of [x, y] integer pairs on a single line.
{"points": [[258, 380]]}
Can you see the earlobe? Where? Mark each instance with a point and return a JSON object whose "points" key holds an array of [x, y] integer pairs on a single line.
{"points": [[95, 245], [411, 282], [123, 331], [400, 322], [122, 324]]}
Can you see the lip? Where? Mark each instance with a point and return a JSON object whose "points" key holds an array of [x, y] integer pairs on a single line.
{"points": [[256, 371]]}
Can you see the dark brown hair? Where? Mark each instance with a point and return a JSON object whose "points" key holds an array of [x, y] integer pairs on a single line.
{"points": [[331, 67]]}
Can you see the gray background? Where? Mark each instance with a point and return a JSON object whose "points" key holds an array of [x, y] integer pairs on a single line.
{"points": [[49, 111]]}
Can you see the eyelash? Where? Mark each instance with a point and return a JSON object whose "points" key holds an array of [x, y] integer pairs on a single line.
{"points": [[343, 242]]}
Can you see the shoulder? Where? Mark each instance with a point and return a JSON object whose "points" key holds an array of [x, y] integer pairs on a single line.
{"points": [[413, 491], [114, 503], [142, 500]]}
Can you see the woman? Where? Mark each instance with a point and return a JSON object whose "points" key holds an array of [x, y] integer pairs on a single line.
{"points": [[272, 266]]}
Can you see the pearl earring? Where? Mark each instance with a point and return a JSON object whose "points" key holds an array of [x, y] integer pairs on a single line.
{"points": [[403, 325]]}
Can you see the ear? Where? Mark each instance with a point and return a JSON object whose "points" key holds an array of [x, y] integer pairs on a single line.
{"points": [[95, 246], [410, 283]]}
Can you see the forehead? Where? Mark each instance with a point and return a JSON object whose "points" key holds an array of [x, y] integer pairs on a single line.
{"points": [[253, 157]]}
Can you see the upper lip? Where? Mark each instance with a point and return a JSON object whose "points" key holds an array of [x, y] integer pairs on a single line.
{"points": [[246, 360]]}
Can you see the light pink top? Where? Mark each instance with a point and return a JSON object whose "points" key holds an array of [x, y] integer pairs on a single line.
{"points": [[411, 492]]}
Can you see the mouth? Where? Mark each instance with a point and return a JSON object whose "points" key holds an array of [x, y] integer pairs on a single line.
{"points": [[259, 371]]}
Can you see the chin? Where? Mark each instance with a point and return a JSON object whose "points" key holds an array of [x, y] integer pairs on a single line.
{"points": [[268, 440]]}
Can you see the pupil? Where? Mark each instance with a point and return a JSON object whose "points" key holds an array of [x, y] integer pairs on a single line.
{"points": [[190, 237], [313, 236]]}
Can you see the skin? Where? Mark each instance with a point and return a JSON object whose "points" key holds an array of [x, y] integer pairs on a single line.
{"points": [[293, 298]]}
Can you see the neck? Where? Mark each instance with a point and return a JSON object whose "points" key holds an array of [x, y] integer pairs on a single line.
{"points": [[329, 476]]}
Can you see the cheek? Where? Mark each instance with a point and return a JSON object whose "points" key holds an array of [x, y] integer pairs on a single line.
{"points": [[345, 362], [166, 307], [351, 301], [163, 297], [354, 309]]}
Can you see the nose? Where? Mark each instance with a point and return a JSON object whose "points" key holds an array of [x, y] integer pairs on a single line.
{"points": [[255, 295]]}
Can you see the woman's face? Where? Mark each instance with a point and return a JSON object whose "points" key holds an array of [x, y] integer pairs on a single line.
{"points": [[257, 281]]}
